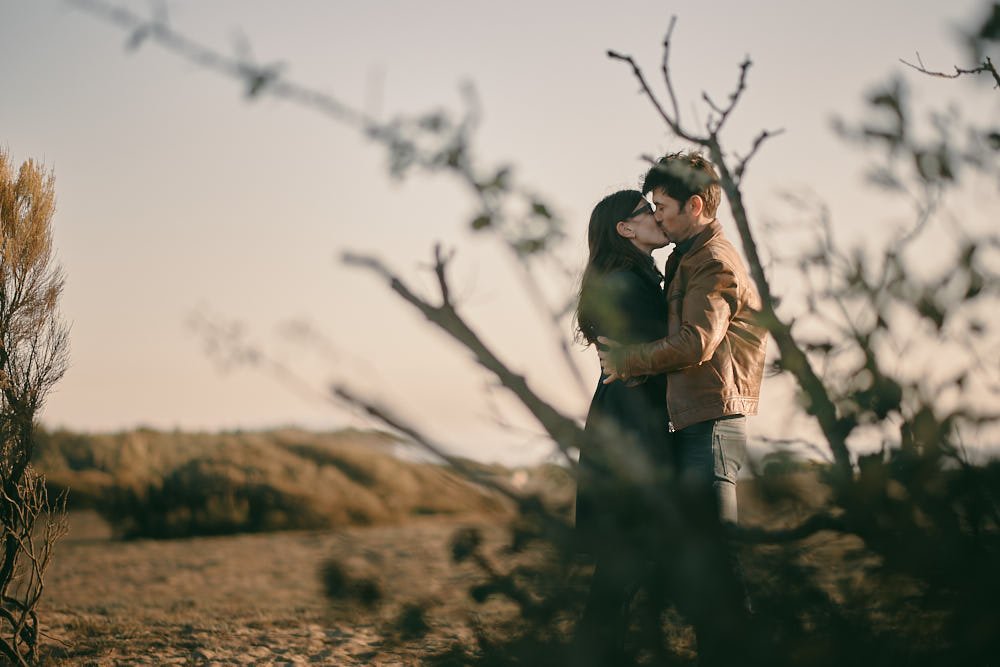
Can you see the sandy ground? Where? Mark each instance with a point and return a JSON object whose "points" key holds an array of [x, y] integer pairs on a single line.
{"points": [[258, 599], [251, 599]]}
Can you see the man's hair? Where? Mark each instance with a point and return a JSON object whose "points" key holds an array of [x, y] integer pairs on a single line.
{"points": [[684, 175]]}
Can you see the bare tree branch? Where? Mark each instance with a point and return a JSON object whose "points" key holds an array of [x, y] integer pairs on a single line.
{"points": [[439, 266], [986, 67], [564, 431], [793, 358], [741, 166], [665, 68], [671, 121], [734, 98]]}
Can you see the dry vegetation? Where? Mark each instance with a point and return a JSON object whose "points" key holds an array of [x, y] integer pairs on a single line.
{"points": [[154, 484], [383, 594], [33, 357], [360, 574], [252, 598]]}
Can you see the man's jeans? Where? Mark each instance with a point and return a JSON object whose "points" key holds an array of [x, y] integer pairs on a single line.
{"points": [[709, 456], [712, 453]]}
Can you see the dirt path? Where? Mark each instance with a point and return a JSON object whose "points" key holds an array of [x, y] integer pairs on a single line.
{"points": [[250, 599]]}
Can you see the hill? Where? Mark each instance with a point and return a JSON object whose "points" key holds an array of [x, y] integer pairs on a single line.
{"points": [[149, 483]]}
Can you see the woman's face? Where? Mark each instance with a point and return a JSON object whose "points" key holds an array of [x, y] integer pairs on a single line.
{"points": [[642, 230]]}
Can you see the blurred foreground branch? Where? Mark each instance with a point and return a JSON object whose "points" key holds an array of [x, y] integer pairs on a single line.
{"points": [[564, 431], [436, 142]]}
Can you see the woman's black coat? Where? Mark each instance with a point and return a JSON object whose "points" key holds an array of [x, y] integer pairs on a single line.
{"points": [[627, 422]]}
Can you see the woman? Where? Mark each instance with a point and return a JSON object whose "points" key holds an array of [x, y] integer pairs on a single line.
{"points": [[626, 430]]}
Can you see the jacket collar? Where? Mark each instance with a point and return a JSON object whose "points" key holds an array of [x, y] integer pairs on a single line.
{"points": [[713, 230]]}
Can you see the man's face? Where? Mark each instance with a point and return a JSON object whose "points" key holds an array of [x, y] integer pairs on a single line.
{"points": [[672, 217]]}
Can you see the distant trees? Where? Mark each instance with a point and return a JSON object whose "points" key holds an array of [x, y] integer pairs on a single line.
{"points": [[33, 357]]}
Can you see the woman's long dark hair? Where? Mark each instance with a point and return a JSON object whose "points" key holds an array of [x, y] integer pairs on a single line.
{"points": [[609, 252]]}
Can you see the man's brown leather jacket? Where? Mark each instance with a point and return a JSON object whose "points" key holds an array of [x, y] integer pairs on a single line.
{"points": [[714, 350]]}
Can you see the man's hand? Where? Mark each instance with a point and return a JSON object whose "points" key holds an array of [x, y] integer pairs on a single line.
{"points": [[606, 352]]}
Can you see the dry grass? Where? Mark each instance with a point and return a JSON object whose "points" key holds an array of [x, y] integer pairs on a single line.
{"points": [[256, 599], [154, 484], [262, 598], [381, 592]]}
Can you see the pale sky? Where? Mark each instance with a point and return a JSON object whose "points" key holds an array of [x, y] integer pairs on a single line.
{"points": [[176, 194]]}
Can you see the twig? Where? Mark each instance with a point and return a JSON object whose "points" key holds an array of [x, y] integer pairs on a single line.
{"points": [[987, 66], [734, 98], [711, 104], [440, 261], [673, 123], [761, 138], [665, 68]]}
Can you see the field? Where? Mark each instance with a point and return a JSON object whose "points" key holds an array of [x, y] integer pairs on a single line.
{"points": [[254, 595], [249, 599], [257, 593]]}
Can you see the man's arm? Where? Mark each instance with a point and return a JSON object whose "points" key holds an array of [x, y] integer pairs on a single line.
{"points": [[709, 303]]}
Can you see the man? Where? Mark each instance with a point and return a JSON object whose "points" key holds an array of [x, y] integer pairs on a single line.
{"points": [[713, 354]]}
